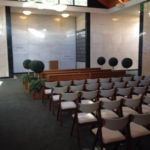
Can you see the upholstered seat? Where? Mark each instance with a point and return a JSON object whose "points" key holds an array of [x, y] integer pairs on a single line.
{"points": [[104, 99], [86, 102], [127, 111], [138, 130], [55, 97], [145, 109], [85, 118], [110, 136], [120, 97], [48, 91], [135, 96], [68, 105], [108, 114]]}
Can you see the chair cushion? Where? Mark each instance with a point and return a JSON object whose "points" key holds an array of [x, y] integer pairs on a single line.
{"points": [[105, 113], [145, 109], [110, 136], [104, 99], [119, 97], [48, 91], [127, 111], [86, 102], [85, 118], [135, 96], [55, 97], [138, 130], [68, 105]]}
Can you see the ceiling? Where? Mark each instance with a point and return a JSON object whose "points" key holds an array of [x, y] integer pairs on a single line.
{"points": [[44, 11]]}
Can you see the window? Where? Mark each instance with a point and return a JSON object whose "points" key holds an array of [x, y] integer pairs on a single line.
{"points": [[81, 2], [67, 2]]}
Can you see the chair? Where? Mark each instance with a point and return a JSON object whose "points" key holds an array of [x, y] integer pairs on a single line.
{"points": [[132, 84], [76, 88], [87, 97], [123, 92], [91, 87], [124, 79], [137, 78], [146, 78], [67, 102], [91, 81], [48, 89], [55, 96], [78, 82], [138, 92], [111, 109], [106, 95], [65, 83], [85, 116], [109, 132], [104, 80], [145, 107], [144, 83], [116, 79], [138, 128], [120, 84], [106, 86], [132, 106]]}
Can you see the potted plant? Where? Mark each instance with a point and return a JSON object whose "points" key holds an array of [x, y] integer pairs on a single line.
{"points": [[101, 61], [113, 62], [36, 88], [26, 64]]}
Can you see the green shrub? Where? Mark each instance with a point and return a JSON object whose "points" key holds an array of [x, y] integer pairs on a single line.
{"points": [[25, 78], [36, 85], [37, 66], [127, 63], [26, 63], [113, 62]]}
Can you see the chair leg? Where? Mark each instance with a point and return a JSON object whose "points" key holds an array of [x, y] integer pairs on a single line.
{"points": [[74, 120], [43, 97], [78, 136], [44, 100], [58, 112], [60, 117], [52, 108], [94, 144], [50, 102]]}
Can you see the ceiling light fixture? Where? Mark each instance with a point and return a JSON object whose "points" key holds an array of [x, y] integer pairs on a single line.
{"points": [[23, 17], [26, 12], [59, 7], [115, 19], [65, 15]]}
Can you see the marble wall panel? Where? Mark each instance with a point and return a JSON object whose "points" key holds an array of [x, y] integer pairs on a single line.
{"points": [[45, 38], [114, 36]]}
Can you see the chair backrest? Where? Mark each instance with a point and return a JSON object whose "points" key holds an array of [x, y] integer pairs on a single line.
{"points": [[146, 99], [116, 124], [91, 87], [124, 91], [89, 108], [144, 82], [65, 83], [89, 95], [132, 83], [106, 86], [141, 119], [104, 80], [116, 79], [127, 78], [76, 88], [146, 78], [107, 93], [120, 84], [132, 102], [59, 90], [139, 90], [69, 96], [51, 84], [111, 105], [78, 82], [92, 81], [137, 78]]}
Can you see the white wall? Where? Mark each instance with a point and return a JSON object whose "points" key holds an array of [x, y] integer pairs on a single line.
{"points": [[80, 25], [118, 39], [58, 44], [146, 41], [3, 45]]}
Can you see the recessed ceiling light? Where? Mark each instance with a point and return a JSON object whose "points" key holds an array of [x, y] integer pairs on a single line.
{"points": [[26, 12], [115, 19], [65, 15], [59, 7], [23, 17]]}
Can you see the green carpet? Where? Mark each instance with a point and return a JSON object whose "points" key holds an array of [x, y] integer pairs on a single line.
{"points": [[26, 124]]}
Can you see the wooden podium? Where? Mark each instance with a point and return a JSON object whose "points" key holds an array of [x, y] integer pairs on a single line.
{"points": [[53, 64]]}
